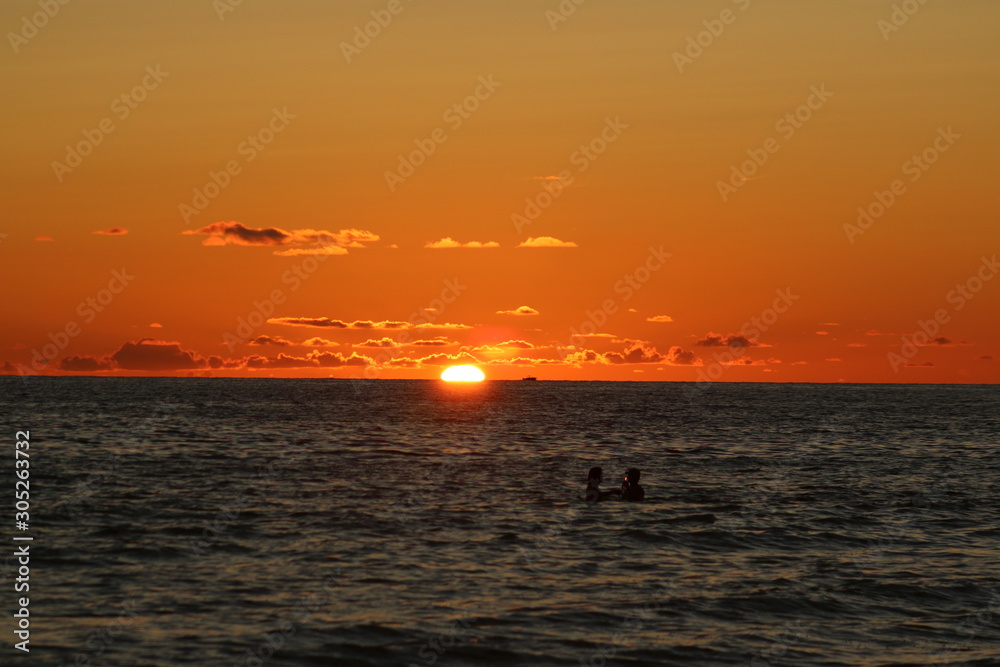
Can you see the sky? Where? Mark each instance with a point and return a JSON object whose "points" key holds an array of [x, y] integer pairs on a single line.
{"points": [[733, 190]]}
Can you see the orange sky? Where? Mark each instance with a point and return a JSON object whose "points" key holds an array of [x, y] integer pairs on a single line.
{"points": [[696, 168]]}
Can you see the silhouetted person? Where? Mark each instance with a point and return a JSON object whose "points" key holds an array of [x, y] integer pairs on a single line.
{"points": [[594, 479], [630, 485]]}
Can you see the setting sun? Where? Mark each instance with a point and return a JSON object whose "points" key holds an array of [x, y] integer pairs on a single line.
{"points": [[462, 374]]}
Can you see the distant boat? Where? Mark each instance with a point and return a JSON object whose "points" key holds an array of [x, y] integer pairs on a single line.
{"points": [[529, 378]]}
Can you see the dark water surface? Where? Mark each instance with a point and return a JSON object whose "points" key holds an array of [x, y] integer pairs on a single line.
{"points": [[325, 522]]}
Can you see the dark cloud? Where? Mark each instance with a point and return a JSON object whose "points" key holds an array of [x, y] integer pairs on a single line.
{"points": [[297, 241], [149, 354], [327, 323], [113, 231], [269, 340], [440, 341], [237, 233], [733, 340], [636, 354], [85, 364], [335, 360], [680, 357]]}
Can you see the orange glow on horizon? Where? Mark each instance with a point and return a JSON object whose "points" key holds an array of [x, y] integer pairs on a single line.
{"points": [[804, 192]]}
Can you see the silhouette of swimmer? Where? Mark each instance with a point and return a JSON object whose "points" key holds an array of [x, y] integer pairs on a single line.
{"points": [[594, 493], [630, 485]]}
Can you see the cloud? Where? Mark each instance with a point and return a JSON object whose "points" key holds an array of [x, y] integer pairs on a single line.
{"points": [[585, 357], [155, 325], [834, 359], [874, 332], [319, 342], [745, 361], [111, 231], [733, 340], [149, 354], [636, 354], [403, 362], [8, 369], [44, 237], [295, 252], [327, 323], [269, 340], [985, 357], [822, 333], [281, 361], [596, 335], [546, 242], [660, 318], [85, 364], [922, 364], [521, 311], [308, 241], [519, 344], [945, 342], [335, 360], [448, 242], [445, 359], [441, 325], [381, 342], [679, 357], [439, 341], [857, 345], [314, 359]]}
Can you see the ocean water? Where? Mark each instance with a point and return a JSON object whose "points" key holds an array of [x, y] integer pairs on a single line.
{"points": [[326, 522]]}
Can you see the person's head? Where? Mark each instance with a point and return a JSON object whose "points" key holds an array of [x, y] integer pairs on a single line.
{"points": [[632, 476], [595, 476]]}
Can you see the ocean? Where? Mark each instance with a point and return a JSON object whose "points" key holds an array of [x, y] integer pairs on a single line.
{"points": [[331, 522]]}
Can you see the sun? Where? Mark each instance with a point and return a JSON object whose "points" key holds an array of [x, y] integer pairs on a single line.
{"points": [[462, 374]]}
